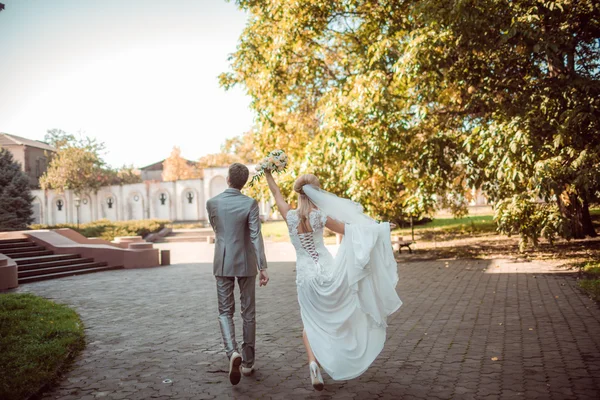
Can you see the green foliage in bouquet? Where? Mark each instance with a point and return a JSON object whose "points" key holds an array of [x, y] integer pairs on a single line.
{"points": [[276, 162]]}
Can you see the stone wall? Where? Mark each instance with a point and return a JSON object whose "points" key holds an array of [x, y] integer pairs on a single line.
{"points": [[183, 200]]}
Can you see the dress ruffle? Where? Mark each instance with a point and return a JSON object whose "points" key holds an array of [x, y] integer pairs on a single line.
{"points": [[345, 308]]}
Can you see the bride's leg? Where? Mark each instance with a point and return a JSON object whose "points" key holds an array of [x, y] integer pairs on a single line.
{"points": [[313, 365], [311, 356]]}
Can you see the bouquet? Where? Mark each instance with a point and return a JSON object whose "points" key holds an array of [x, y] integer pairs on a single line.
{"points": [[276, 161]]}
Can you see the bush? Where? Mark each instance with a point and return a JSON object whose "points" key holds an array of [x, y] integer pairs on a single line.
{"points": [[591, 268], [590, 278], [591, 287], [531, 220], [108, 230]]}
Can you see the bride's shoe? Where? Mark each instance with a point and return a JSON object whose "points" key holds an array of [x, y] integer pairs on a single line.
{"points": [[315, 376]]}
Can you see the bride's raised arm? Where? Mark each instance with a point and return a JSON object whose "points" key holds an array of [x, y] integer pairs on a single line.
{"points": [[335, 226], [282, 205]]}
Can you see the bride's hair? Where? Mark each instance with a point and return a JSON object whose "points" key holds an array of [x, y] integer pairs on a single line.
{"points": [[304, 203]]}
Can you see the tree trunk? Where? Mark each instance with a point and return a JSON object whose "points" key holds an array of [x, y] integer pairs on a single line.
{"points": [[588, 226], [578, 215]]}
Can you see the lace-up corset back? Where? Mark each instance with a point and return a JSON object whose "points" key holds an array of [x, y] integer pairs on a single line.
{"points": [[309, 245]]}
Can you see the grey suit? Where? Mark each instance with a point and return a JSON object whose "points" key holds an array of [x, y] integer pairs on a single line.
{"points": [[239, 253]]}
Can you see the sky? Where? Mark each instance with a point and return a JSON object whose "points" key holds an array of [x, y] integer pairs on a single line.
{"points": [[139, 75]]}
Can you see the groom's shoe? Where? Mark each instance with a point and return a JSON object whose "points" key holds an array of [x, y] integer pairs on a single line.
{"points": [[234, 368], [247, 371]]}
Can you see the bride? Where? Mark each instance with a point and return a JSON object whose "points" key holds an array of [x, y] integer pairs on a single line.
{"points": [[344, 301]]}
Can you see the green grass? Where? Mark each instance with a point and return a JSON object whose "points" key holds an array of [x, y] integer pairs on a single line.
{"points": [[275, 230], [591, 287], [591, 268], [474, 225], [37, 340], [452, 223], [591, 278]]}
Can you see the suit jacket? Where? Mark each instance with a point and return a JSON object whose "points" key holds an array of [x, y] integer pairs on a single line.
{"points": [[239, 246]]}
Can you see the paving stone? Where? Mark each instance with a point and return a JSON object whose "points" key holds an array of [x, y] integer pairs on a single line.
{"points": [[147, 325]]}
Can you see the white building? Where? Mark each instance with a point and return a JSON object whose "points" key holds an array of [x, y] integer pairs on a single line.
{"points": [[183, 200]]}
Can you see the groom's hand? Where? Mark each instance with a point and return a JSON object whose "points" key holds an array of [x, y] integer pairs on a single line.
{"points": [[264, 277]]}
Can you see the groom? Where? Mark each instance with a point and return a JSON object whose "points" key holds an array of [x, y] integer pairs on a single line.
{"points": [[239, 253]]}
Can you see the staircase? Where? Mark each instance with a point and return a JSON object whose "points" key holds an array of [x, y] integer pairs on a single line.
{"points": [[187, 235], [36, 263]]}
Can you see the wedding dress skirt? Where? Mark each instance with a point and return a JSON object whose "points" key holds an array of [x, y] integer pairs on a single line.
{"points": [[345, 301]]}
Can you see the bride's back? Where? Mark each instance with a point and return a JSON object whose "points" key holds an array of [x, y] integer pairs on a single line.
{"points": [[306, 234]]}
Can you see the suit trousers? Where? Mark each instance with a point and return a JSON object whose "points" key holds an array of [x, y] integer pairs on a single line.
{"points": [[226, 299]]}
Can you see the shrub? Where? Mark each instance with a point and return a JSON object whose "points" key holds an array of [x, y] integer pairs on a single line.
{"points": [[108, 230], [591, 287], [531, 220]]}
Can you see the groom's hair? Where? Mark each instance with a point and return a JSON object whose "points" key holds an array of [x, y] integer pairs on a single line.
{"points": [[238, 175]]}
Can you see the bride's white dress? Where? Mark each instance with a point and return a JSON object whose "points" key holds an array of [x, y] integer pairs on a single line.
{"points": [[344, 301]]}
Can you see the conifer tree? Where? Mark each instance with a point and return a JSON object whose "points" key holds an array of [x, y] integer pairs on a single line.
{"points": [[15, 195]]}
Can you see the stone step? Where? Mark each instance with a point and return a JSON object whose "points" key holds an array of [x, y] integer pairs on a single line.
{"points": [[59, 269], [20, 250], [176, 239], [65, 274], [7, 241], [29, 254], [178, 234], [203, 231], [5, 246], [56, 263], [41, 259]]}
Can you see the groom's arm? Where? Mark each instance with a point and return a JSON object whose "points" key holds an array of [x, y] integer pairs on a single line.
{"points": [[256, 238], [209, 214]]}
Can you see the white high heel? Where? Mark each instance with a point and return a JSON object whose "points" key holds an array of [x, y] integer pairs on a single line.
{"points": [[315, 376]]}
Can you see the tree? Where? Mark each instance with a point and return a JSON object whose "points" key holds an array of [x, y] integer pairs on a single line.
{"points": [[176, 167], [218, 160], [125, 175], [16, 209], [238, 149], [518, 84], [242, 146], [402, 104], [77, 164], [59, 138]]}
